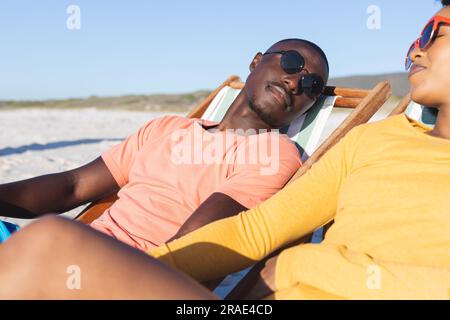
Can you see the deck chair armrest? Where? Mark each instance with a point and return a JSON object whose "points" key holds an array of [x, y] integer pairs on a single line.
{"points": [[96, 209], [401, 107]]}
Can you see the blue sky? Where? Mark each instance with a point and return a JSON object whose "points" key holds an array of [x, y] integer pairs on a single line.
{"points": [[142, 47]]}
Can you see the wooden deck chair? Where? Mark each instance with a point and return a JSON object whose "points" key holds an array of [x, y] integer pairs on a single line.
{"points": [[425, 115], [305, 131]]}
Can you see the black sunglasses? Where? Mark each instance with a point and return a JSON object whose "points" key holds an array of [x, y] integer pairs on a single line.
{"points": [[293, 62]]}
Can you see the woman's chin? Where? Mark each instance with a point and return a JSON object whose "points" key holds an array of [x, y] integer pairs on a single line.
{"points": [[415, 95], [420, 94], [423, 97]]}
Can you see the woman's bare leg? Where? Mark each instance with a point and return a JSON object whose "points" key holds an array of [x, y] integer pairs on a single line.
{"points": [[44, 260]]}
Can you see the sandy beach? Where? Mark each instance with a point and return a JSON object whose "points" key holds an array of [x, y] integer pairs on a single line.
{"points": [[42, 141]]}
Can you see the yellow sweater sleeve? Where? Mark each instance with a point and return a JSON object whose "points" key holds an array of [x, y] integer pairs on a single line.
{"points": [[235, 243]]}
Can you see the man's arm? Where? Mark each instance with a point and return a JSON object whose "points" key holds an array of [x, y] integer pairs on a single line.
{"points": [[215, 207], [60, 192]]}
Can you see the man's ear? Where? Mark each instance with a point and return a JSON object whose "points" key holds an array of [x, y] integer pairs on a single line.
{"points": [[256, 60]]}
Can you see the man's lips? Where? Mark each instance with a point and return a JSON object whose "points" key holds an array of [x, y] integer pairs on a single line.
{"points": [[280, 94], [415, 69]]}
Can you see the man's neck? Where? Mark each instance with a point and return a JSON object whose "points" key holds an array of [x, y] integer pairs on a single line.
{"points": [[442, 126], [241, 117]]}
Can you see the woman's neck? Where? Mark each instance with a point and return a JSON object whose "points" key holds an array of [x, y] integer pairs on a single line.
{"points": [[442, 127]]}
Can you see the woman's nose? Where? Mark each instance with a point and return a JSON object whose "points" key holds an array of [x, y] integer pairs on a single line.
{"points": [[417, 53]]}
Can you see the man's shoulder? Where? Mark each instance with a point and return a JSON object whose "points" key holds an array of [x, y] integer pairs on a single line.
{"points": [[172, 122], [174, 119]]}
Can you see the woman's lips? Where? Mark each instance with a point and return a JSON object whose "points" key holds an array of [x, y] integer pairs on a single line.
{"points": [[415, 69]]}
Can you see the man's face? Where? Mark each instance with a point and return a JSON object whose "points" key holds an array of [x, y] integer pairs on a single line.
{"points": [[274, 106]]}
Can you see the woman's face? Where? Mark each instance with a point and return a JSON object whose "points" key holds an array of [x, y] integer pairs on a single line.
{"points": [[430, 73]]}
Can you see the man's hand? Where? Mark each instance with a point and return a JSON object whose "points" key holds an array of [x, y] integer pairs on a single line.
{"points": [[265, 285], [59, 192], [12, 210]]}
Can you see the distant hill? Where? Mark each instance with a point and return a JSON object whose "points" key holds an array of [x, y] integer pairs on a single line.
{"points": [[399, 82], [185, 102]]}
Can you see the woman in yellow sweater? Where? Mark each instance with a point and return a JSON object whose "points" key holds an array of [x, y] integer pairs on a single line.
{"points": [[386, 185]]}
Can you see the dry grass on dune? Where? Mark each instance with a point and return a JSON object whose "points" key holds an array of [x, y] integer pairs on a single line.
{"points": [[155, 102]]}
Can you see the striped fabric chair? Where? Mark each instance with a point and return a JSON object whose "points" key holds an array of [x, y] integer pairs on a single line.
{"points": [[305, 131], [422, 114]]}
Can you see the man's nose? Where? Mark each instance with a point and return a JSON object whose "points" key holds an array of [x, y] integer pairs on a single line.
{"points": [[291, 82]]}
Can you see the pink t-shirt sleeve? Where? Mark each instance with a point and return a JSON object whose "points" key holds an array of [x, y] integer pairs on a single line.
{"points": [[120, 158], [250, 184]]}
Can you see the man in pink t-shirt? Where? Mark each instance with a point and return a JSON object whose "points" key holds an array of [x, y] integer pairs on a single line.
{"points": [[177, 174], [164, 179]]}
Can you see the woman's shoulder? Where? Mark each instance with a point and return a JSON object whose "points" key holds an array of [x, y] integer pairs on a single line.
{"points": [[376, 134], [390, 125]]}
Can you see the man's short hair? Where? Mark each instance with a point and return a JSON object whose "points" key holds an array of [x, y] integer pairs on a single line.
{"points": [[313, 46]]}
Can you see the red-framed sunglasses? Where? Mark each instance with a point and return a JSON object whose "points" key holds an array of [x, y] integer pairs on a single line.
{"points": [[427, 37]]}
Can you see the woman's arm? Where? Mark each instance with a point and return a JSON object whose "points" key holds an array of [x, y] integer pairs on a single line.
{"points": [[232, 244]]}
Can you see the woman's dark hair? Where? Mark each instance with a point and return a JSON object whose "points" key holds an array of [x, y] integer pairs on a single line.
{"points": [[445, 2]]}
